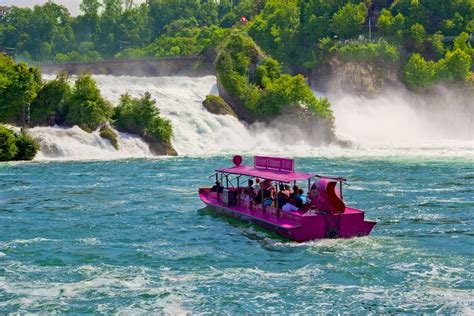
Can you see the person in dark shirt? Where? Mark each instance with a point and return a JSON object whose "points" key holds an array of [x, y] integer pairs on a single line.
{"points": [[296, 196], [217, 187]]}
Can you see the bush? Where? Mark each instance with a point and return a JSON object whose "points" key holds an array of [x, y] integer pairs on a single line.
{"points": [[107, 133], [86, 107], [418, 73], [141, 116], [455, 66], [381, 52], [27, 146], [8, 148], [51, 103], [348, 20], [18, 87]]}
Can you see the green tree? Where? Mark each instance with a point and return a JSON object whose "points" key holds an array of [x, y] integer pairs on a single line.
{"points": [[348, 20], [27, 146], [90, 7], [8, 149], [462, 42], [276, 28], [418, 34], [18, 87], [163, 12], [87, 25], [437, 46], [418, 73], [455, 66], [390, 25], [265, 92], [141, 116], [50, 105], [86, 107]]}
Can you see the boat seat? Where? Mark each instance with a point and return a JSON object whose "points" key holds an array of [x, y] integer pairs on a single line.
{"points": [[329, 197]]}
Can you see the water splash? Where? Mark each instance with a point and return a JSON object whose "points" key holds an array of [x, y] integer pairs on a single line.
{"points": [[398, 118], [75, 144], [395, 123]]}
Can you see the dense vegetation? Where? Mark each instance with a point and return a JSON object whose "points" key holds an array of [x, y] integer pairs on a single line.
{"points": [[428, 34], [26, 100], [141, 116], [16, 146], [258, 82]]}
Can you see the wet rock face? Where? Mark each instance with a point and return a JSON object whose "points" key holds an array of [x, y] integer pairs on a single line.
{"points": [[357, 77], [217, 105], [160, 148], [299, 124], [236, 106], [294, 123]]}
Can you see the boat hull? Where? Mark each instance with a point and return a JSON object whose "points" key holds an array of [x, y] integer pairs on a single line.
{"points": [[296, 226]]}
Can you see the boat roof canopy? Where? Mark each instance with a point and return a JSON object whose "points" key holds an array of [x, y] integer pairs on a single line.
{"points": [[269, 174]]}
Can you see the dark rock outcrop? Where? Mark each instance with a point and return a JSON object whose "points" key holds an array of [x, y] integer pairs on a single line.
{"points": [[160, 148], [217, 105], [355, 77]]}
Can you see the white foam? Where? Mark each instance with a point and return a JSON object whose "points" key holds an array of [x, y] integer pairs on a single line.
{"points": [[442, 121], [394, 124], [75, 144]]}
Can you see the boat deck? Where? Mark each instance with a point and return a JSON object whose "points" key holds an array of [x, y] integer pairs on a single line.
{"points": [[271, 215]]}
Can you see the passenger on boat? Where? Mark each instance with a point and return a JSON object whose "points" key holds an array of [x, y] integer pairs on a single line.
{"points": [[313, 193], [268, 197], [303, 197], [245, 197], [268, 201], [283, 196], [296, 196], [266, 185], [217, 187], [250, 190], [256, 187]]}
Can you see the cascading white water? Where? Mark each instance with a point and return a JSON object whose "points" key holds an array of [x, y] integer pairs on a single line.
{"points": [[395, 123], [196, 131], [401, 119], [74, 143]]}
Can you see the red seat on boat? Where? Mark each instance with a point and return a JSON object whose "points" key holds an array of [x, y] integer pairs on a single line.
{"points": [[329, 199]]}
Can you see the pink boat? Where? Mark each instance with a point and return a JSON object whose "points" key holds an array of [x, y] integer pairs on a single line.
{"points": [[324, 215]]}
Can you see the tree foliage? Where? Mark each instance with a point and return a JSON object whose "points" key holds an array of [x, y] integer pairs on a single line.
{"points": [[348, 20], [50, 105], [258, 82], [141, 116], [291, 31], [18, 87], [27, 146], [8, 149], [17, 146], [86, 107]]}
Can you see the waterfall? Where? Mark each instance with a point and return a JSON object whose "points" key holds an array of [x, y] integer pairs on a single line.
{"points": [[74, 143], [393, 123]]}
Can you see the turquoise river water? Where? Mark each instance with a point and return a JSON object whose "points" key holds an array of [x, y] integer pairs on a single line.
{"points": [[132, 236]]}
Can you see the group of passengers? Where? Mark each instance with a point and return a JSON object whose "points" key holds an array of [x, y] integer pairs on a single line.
{"points": [[264, 193]]}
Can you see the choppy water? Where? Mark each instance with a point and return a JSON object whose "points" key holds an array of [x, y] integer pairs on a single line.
{"points": [[132, 235]]}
